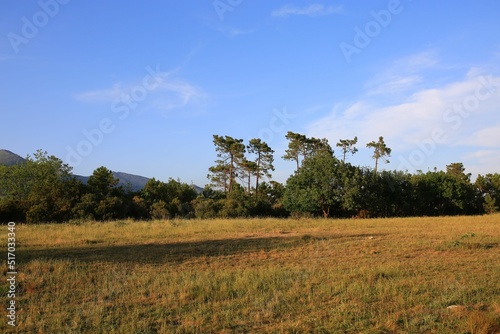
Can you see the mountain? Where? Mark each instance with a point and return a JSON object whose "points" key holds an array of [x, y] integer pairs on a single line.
{"points": [[128, 181], [136, 182], [198, 190], [132, 182], [8, 158]]}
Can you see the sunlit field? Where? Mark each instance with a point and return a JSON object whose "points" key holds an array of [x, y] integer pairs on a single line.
{"points": [[258, 276]]}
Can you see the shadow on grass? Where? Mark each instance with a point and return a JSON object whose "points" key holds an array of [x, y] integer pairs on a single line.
{"points": [[178, 252]]}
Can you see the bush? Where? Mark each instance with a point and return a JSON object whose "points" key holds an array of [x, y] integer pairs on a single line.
{"points": [[232, 208], [205, 208], [159, 210]]}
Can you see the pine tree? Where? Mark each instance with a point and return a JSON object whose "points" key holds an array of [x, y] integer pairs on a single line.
{"points": [[380, 151]]}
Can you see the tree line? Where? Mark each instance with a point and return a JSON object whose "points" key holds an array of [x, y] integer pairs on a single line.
{"points": [[324, 185], [43, 188]]}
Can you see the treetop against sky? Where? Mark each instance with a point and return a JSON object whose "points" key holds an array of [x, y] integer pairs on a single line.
{"points": [[141, 88]]}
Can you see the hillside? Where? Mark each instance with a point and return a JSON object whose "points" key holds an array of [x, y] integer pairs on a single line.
{"points": [[8, 158], [128, 181], [134, 182]]}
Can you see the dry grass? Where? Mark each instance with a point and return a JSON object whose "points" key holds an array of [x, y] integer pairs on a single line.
{"points": [[260, 276]]}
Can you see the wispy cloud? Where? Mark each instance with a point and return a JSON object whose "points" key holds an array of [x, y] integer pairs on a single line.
{"points": [[101, 95], [234, 32], [403, 74], [486, 137], [482, 161], [413, 119], [168, 94], [312, 10], [464, 111], [178, 94]]}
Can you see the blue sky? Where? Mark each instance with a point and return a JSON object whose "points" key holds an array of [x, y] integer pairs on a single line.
{"points": [[142, 87]]}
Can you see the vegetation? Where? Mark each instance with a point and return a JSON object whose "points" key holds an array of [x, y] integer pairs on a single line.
{"points": [[42, 189], [317, 185], [380, 151], [161, 259], [399, 275], [347, 146]]}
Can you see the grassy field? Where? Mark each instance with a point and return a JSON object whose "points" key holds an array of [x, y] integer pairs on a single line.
{"points": [[258, 276]]}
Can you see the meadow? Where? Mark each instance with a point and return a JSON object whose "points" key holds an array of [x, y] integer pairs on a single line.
{"points": [[396, 275]]}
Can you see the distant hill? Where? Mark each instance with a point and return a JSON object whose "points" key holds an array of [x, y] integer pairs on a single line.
{"points": [[128, 181], [131, 181], [199, 190], [8, 158], [134, 182]]}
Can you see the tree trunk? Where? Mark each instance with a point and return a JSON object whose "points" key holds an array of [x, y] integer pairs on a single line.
{"points": [[326, 212], [231, 173], [257, 185], [257, 176], [230, 187]]}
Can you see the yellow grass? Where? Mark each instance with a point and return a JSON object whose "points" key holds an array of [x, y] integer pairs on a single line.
{"points": [[259, 276]]}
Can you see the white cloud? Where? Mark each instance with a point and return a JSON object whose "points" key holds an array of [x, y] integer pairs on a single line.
{"points": [[394, 84], [101, 95], [487, 137], [417, 62], [483, 162], [166, 94], [311, 10], [464, 111], [414, 117], [178, 94], [402, 74]]}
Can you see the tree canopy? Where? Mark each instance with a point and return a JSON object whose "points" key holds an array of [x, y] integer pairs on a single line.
{"points": [[43, 189], [380, 151]]}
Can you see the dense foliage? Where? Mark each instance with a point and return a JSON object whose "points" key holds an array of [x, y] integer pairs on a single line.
{"points": [[43, 189]]}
